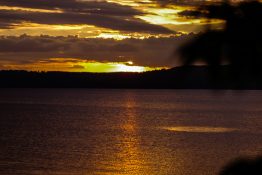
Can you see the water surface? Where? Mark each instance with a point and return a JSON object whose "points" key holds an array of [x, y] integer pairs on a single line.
{"points": [[124, 132]]}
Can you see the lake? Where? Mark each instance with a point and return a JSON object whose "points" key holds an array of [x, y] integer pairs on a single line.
{"points": [[124, 132]]}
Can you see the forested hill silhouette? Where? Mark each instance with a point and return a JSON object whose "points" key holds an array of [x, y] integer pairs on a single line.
{"points": [[238, 44], [188, 77]]}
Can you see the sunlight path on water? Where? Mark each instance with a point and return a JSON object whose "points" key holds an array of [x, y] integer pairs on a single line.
{"points": [[199, 129]]}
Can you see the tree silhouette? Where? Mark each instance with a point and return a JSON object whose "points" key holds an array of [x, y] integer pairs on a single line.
{"points": [[243, 166], [238, 44]]}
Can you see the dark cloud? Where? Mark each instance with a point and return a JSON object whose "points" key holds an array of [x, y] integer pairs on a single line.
{"points": [[101, 14], [183, 2], [219, 9], [111, 22], [94, 7], [30, 44], [196, 3], [150, 52], [7, 24], [192, 13]]}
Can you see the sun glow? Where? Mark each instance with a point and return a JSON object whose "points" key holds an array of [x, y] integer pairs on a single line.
{"points": [[130, 62], [116, 67], [127, 68], [79, 65]]}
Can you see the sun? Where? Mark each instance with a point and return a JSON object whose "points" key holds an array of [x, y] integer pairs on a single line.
{"points": [[130, 62], [129, 68]]}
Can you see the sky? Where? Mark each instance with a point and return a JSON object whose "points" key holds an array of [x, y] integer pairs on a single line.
{"points": [[95, 35]]}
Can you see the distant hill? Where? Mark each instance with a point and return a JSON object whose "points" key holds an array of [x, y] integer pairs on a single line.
{"points": [[190, 77]]}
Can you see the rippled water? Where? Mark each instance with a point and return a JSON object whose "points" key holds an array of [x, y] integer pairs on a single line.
{"points": [[138, 132]]}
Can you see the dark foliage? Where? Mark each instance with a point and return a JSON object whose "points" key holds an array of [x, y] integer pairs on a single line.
{"points": [[244, 167], [239, 44]]}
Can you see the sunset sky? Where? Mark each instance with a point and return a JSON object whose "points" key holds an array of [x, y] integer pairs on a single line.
{"points": [[95, 35]]}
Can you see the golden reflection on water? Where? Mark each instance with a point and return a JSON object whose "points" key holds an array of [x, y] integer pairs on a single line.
{"points": [[129, 159], [131, 154], [199, 129], [132, 157]]}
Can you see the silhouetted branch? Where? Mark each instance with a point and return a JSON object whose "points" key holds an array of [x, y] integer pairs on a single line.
{"points": [[244, 167], [238, 44]]}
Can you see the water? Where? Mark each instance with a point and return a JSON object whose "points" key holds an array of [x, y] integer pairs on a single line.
{"points": [[124, 132]]}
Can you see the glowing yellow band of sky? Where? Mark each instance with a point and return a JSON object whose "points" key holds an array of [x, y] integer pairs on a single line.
{"points": [[79, 65]]}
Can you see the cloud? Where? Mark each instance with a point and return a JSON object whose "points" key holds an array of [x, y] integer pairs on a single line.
{"points": [[195, 3], [184, 2], [148, 52], [95, 7], [192, 13], [73, 12]]}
